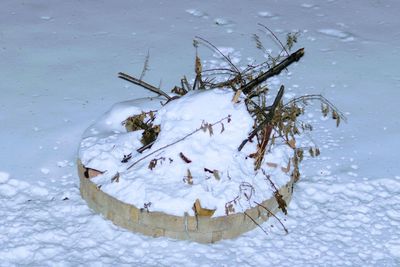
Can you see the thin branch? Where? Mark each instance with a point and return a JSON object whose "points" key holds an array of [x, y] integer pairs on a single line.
{"points": [[143, 84], [143, 148], [256, 223], [270, 212], [179, 140], [275, 70], [145, 65], [220, 69], [320, 98], [267, 120], [276, 38], [216, 49]]}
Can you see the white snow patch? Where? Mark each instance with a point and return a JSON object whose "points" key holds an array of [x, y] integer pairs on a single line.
{"points": [[167, 187], [344, 36], [4, 176], [45, 170], [266, 14], [197, 13]]}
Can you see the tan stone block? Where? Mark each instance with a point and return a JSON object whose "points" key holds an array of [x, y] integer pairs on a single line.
{"points": [[133, 214], [216, 236], [158, 232], [177, 235], [199, 229]]}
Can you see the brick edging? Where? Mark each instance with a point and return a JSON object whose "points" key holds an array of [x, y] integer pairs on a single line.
{"points": [[196, 228]]}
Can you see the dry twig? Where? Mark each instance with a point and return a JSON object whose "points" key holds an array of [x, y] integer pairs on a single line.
{"points": [[143, 84], [227, 118]]}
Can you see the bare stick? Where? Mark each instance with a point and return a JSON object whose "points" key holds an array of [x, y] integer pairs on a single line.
{"points": [[267, 120], [273, 71], [179, 140], [270, 212], [256, 223], [143, 148], [143, 84]]}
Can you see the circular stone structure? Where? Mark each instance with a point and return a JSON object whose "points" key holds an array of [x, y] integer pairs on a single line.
{"points": [[202, 229]]}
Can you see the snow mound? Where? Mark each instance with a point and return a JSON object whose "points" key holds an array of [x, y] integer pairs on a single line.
{"points": [[195, 156]]}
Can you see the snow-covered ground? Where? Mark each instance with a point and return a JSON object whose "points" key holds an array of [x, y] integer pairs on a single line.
{"points": [[58, 66]]}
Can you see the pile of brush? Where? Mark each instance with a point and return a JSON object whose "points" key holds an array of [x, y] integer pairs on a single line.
{"points": [[271, 121]]}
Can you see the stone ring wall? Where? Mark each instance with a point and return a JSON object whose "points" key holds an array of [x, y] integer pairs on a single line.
{"points": [[196, 228]]}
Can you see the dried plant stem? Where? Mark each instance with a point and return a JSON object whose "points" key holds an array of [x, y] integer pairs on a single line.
{"points": [[145, 66], [177, 141], [276, 38], [143, 148], [256, 223], [270, 212], [222, 54], [262, 148], [317, 97], [267, 120], [143, 84]]}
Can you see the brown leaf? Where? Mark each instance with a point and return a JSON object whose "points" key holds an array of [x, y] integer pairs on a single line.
{"points": [[292, 143], [199, 211], [198, 67], [272, 165], [152, 164], [281, 202], [184, 158], [90, 173]]}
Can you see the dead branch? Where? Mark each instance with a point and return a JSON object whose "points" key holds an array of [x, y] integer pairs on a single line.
{"points": [[267, 120], [256, 223], [228, 118], [294, 57], [270, 212], [143, 148], [263, 146], [143, 84], [273, 71]]}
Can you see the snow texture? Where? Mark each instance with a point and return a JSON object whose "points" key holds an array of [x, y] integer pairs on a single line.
{"points": [[167, 185], [57, 71]]}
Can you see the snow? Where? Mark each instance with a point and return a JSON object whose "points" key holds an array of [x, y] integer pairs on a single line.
{"points": [[167, 182], [58, 68]]}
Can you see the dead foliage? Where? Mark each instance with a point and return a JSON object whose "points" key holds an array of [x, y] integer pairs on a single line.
{"points": [[274, 120], [143, 121]]}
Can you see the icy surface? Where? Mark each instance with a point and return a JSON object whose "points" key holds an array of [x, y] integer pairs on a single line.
{"points": [[58, 65]]}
